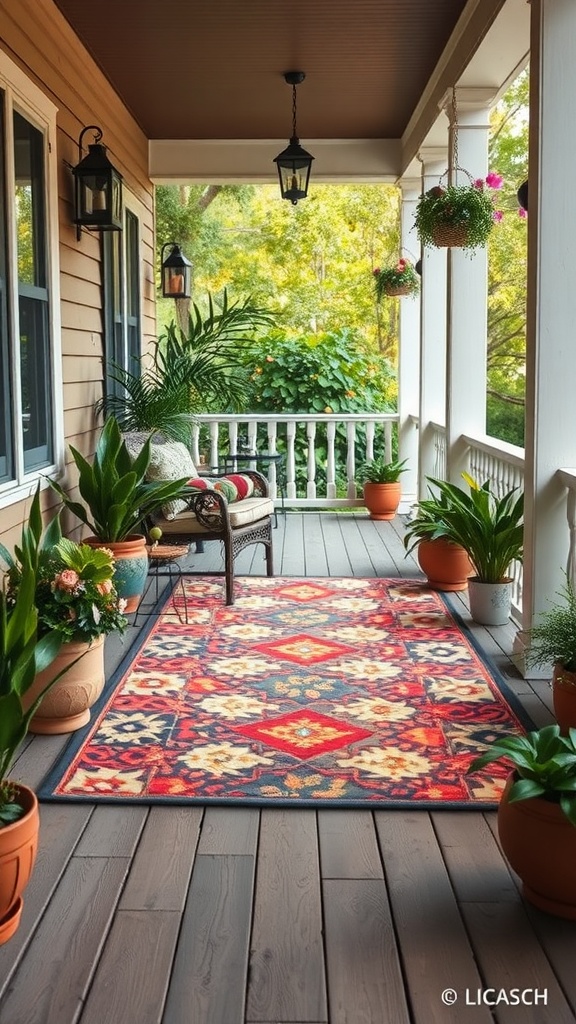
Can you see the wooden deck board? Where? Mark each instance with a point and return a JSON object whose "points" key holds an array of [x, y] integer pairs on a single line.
{"points": [[287, 961], [231, 915]]}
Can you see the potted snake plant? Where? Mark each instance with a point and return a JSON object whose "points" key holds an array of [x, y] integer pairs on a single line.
{"points": [[117, 500]]}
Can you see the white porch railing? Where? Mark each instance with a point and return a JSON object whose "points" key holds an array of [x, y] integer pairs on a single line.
{"points": [[329, 449]]}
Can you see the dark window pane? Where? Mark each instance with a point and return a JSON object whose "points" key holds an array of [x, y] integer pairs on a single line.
{"points": [[35, 372], [35, 355], [6, 452]]}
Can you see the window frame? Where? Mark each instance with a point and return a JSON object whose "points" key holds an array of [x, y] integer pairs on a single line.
{"points": [[21, 96], [123, 329]]}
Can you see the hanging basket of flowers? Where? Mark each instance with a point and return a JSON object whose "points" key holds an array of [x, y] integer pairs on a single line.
{"points": [[458, 215], [401, 279]]}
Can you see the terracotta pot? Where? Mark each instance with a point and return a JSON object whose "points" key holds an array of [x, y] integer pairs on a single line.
{"points": [[564, 697], [490, 603], [540, 844], [382, 500], [18, 846], [131, 567], [66, 705], [446, 564]]}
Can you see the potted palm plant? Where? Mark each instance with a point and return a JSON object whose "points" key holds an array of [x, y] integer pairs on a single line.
{"points": [[552, 641], [118, 498], [537, 814], [458, 215], [490, 529], [23, 653], [380, 481], [400, 279], [191, 371]]}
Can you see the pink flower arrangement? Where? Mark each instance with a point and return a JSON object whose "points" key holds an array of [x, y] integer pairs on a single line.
{"points": [[75, 592]]}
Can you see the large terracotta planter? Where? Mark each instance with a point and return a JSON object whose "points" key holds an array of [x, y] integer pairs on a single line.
{"points": [[66, 705], [382, 500], [540, 844], [490, 603], [131, 567], [446, 564], [18, 846], [564, 697]]}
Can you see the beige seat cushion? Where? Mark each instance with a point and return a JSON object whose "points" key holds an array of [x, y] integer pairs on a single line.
{"points": [[241, 513]]}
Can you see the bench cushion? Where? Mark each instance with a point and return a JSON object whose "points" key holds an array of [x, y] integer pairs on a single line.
{"points": [[242, 513]]}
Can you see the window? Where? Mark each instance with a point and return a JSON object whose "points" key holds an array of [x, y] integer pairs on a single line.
{"points": [[27, 294], [121, 255]]}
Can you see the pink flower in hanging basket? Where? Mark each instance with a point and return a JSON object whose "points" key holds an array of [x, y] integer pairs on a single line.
{"points": [[494, 180]]}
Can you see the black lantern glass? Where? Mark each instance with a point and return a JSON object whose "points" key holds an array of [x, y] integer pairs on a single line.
{"points": [[294, 163], [98, 188], [176, 273]]}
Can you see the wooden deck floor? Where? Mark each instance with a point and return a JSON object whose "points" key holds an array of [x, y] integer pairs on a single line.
{"points": [[196, 915]]}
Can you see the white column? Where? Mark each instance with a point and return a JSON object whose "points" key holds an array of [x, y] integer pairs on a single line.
{"points": [[550, 342], [467, 292], [409, 352], [432, 332]]}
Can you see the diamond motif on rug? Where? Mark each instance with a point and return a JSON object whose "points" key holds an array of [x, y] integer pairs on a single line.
{"points": [[302, 649], [304, 734]]}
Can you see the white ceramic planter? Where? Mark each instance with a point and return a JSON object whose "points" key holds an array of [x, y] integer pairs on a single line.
{"points": [[490, 603]]}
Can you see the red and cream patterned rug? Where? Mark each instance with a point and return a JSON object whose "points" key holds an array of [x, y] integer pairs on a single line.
{"points": [[325, 692]]}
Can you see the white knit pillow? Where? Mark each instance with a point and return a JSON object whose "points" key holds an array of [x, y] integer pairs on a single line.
{"points": [[171, 461]]}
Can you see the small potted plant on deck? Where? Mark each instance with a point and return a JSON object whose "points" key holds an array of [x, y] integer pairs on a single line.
{"points": [[400, 279], [445, 563], [537, 814], [76, 599], [490, 529], [552, 641], [381, 485], [458, 215]]}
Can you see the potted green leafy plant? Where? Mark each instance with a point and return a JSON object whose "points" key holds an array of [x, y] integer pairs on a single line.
{"points": [[400, 279], [76, 598], [552, 641], [490, 529], [458, 215], [23, 653], [117, 499], [380, 481], [445, 563], [537, 814]]}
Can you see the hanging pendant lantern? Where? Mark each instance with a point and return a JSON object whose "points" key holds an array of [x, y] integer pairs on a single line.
{"points": [[294, 163]]}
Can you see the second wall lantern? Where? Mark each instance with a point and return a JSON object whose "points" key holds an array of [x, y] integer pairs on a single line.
{"points": [[176, 273]]}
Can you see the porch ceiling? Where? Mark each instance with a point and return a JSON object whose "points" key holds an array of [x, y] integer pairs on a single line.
{"points": [[212, 69]]}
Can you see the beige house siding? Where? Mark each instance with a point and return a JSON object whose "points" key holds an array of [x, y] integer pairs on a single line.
{"points": [[35, 36]]}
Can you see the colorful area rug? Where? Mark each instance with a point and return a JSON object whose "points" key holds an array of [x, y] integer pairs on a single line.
{"points": [[322, 692]]}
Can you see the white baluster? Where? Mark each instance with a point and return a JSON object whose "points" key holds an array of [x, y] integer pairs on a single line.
{"points": [[351, 458], [290, 459], [311, 484], [330, 460]]}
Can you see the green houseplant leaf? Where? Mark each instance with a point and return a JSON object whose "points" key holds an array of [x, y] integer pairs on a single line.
{"points": [[117, 497]]}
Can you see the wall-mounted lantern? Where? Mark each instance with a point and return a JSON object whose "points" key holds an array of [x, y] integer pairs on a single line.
{"points": [[98, 188]]}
